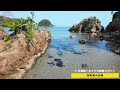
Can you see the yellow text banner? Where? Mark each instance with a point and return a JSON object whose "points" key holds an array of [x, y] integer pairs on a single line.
{"points": [[94, 75]]}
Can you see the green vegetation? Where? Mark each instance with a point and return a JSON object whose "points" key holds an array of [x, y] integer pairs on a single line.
{"points": [[30, 35], [16, 24], [6, 38], [4, 19], [7, 46], [90, 19], [19, 24], [45, 22]]}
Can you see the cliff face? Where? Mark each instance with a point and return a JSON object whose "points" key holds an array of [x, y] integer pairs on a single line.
{"points": [[19, 55], [87, 25], [112, 33], [115, 24]]}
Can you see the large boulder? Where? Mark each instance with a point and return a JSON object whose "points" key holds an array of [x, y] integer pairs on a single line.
{"points": [[88, 25]]}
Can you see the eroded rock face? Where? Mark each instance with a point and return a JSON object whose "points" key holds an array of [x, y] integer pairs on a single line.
{"points": [[89, 25], [115, 24], [112, 33], [21, 54]]}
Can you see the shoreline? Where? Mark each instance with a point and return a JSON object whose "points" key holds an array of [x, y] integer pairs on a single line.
{"points": [[34, 59]]}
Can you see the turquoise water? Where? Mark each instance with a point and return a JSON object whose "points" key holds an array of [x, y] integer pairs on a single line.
{"points": [[7, 30], [65, 55], [61, 37]]}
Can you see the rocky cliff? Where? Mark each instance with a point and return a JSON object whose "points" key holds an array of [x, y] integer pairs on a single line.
{"points": [[114, 25], [88, 25], [112, 33], [18, 55]]}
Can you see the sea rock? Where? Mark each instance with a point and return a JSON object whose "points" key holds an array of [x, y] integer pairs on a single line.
{"points": [[59, 53], [88, 25], [82, 41], [59, 62], [72, 36], [84, 65]]}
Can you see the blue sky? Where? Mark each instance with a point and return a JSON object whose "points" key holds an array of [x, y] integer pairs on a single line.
{"points": [[64, 18]]}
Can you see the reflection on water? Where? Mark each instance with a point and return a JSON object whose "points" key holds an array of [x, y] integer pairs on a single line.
{"points": [[66, 55]]}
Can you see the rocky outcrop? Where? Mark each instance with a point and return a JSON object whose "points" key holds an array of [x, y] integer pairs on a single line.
{"points": [[89, 25], [113, 40], [115, 24], [20, 54], [112, 33]]}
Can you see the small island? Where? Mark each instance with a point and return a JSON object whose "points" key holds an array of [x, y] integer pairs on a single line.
{"points": [[45, 22]]}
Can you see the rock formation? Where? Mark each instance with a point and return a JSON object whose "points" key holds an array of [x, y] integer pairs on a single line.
{"points": [[89, 25], [115, 24], [82, 41], [19, 54], [112, 33]]}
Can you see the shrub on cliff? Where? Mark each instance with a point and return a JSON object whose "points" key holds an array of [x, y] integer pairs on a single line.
{"points": [[19, 24], [30, 35], [6, 38]]}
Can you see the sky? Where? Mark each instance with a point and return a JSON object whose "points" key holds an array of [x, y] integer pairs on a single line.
{"points": [[64, 18]]}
